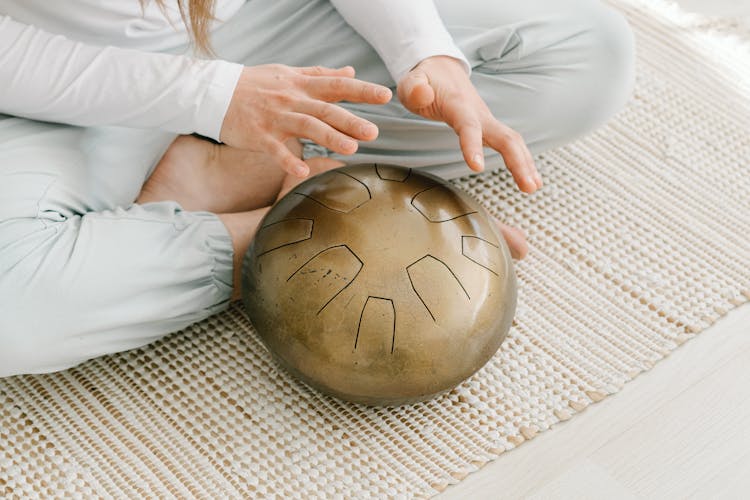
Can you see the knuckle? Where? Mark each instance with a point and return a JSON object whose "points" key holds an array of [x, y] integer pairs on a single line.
{"points": [[506, 136], [274, 150], [515, 136], [306, 123], [280, 99], [287, 160], [468, 125], [337, 84], [271, 145], [297, 79], [355, 123], [331, 138], [326, 112], [370, 92], [280, 73]]}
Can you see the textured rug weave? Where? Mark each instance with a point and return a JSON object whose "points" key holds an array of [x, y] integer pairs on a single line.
{"points": [[640, 239]]}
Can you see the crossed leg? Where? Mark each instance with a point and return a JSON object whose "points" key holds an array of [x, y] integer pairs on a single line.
{"points": [[240, 186]]}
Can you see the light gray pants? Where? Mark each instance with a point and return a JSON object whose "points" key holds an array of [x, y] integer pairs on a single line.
{"points": [[85, 272]]}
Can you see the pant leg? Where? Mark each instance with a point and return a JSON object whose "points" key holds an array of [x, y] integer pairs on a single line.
{"points": [[84, 271], [94, 168], [551, 69]]}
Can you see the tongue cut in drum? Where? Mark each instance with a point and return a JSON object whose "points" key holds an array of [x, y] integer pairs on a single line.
{"points": [[379, 284]]}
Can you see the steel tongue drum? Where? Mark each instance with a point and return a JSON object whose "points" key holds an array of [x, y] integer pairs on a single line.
{"points": [[379, 284]]}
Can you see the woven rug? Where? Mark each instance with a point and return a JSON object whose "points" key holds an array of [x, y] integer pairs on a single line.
{"points": [[639, 241]]}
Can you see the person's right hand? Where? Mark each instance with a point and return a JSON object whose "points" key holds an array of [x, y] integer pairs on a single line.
{"points": [[273, 103]]}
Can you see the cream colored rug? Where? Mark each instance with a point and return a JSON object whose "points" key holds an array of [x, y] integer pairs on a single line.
{"points": [[640, 240]]}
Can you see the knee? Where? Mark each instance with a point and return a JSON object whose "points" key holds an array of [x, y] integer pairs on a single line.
{"points": [[610, 49], [25, 344], [24, 349], [22, 353], [570, 65], [593, 76]]}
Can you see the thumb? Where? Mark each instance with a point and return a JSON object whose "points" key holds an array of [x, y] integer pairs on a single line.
{"points": [[415, 91]]}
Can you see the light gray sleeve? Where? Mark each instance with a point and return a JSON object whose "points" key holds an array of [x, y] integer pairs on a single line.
{"points": [[403, 33], [52, 78]]}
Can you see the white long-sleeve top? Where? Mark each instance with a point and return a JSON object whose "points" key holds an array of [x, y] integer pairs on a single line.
{"points": [[93, 62]]}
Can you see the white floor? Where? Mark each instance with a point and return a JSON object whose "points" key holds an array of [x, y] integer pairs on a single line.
{"points": [[681, 430], [727, 8]]}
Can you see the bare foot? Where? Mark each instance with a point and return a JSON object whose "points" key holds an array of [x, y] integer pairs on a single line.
{"points": [[515, 238], [242, 226], [201, 175]]}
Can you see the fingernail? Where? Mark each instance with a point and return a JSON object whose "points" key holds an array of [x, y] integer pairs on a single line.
{"points": [[531, 182], [384, 94], [478, 160], [538, 179], [301, 171]]}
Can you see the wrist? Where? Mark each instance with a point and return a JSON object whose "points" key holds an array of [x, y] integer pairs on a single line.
{"points": [[218, 94], [441, 60]]}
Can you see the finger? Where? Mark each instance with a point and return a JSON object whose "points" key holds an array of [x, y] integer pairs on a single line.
{"points": [[289, 163], [415, 91], [511, 146], [530, 159], [309, 127], [530, 164], [340, 119], [334, 89], [532, 173], [346, 71], [317, 166], [320, 164], [470, 137]]}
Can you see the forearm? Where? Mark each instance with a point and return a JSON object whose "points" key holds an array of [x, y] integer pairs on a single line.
{"points": [[402, 32], [49, 77]]}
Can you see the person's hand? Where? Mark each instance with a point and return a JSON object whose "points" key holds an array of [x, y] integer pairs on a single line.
{"points": [[273, 103], [317, 165], [438, 88]]}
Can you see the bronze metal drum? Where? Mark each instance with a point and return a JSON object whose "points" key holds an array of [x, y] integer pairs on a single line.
{"points": [[379, 284]]}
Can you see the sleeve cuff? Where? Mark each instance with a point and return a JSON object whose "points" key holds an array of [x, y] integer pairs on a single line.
{"points": [[416, 51], [219, 246], [215, 103]]}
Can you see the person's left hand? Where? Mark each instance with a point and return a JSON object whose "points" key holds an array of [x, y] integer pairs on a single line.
{"points": [[438, 88]]}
